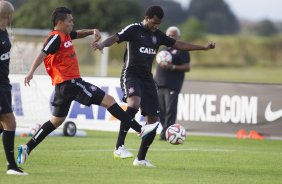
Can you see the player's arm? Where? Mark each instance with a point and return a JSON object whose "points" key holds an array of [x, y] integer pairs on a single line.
{"points": [[189, 46], [178, 68], [50, 47], [181, 68], [37, 62], [86, 32], [106, 43]]}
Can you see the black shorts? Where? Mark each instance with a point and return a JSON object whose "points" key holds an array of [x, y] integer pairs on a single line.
{"points": [[145, 88], [5, 99], [78, 90]]}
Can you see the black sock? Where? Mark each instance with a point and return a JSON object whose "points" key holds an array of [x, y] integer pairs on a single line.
{"points": [[8, 143], [145, 144], [1, 131], [120, 114], [44, 130], [123, 129]]}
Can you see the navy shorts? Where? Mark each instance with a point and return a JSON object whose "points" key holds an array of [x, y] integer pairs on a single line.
{"points": [[5, 99], [145, 88], [78, 90]]}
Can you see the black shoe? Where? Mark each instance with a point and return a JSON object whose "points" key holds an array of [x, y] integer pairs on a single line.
{"points": [[16, 171]]}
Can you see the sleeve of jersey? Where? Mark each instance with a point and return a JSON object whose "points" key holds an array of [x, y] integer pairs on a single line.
{"points": [[167, 41], [52, 44], [73, 35], [126, 33]]}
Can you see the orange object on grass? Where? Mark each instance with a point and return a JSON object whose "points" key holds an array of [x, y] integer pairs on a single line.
{"points": [[241, 134], [255, 135]]}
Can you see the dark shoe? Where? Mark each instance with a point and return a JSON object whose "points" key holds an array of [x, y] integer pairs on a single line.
{"points": [[16, 171]]}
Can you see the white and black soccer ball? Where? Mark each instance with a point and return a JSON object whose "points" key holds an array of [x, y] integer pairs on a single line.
{"points": [[175, 134], [164, 57]]}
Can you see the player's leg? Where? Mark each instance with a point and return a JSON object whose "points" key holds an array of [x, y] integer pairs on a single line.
{"points": [[61, 103], [131, 96], [150, 109], [171, 108], [110, 104], [91, 94], [48, 127], [8, 139], [120, 150], [162, 107], [8, 125], [124, 128], [145, 145]]}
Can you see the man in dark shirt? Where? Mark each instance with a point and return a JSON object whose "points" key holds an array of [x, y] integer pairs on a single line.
{"points": [[7, 118], [169, 79], [137, 83]]}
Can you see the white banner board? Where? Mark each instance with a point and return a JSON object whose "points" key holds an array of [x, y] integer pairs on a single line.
{"points": [[31, 104]]}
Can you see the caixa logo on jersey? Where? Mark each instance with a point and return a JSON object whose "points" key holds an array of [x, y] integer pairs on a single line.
{"points": [[67, 44], [148, 50], [5, 56]]}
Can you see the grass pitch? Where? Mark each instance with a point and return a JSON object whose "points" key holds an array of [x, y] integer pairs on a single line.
{"points": [[215, 160]]}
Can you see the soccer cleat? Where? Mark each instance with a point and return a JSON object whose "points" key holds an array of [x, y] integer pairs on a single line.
{"points": [[16, 171], [146, 129], [122, 152], [142, 163], [22, 154]]}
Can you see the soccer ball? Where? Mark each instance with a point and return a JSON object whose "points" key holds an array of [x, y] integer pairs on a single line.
{"points": [[175, 134], [164, 57]]}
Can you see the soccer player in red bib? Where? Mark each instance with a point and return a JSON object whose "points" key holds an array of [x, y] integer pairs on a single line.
{"points": [[61, 64]]}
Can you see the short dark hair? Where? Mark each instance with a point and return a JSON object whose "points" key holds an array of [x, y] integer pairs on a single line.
{"points": [[60, 13], [155, 10]]}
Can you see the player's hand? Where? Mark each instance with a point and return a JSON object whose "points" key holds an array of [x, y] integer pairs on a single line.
{"points": [[27, 79], [167, 66], [210, 45], [97, 35], [97, 46]]}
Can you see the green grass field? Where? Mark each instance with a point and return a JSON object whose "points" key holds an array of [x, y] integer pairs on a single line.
{"points": [[215, 160]]}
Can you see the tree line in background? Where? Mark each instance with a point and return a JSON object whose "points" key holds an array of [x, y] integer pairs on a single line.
{"points": [[213, 16]]}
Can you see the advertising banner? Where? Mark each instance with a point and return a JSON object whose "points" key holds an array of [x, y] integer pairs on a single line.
{"points": [[224, 108], [204, 108]]}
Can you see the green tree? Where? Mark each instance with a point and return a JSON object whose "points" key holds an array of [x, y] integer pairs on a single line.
{"points": [[215, 15], [192, 29], [174, 14], [112, 16], [103, 14], [265, 28], [17, 3]]}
